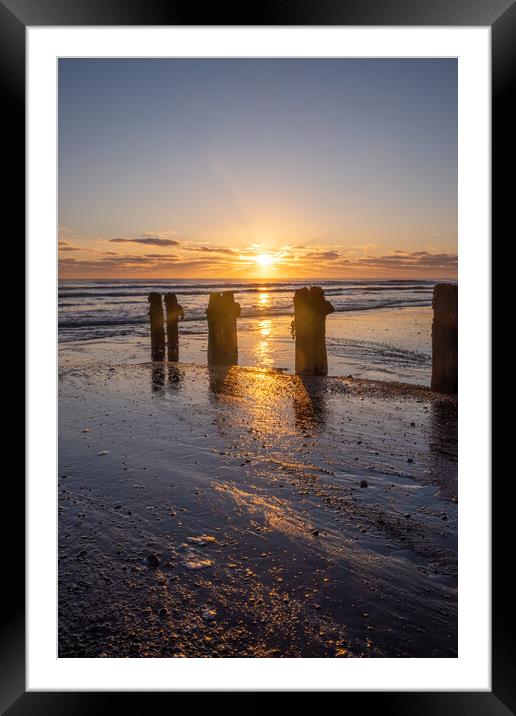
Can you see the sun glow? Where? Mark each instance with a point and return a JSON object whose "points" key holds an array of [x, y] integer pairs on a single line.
{"points": [[264, 260]]}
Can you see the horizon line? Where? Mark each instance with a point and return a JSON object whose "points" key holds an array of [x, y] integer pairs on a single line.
{"points": [[255, 278]]}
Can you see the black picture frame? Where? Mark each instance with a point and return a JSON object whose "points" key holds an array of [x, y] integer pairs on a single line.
{"points": [[15, 16]]}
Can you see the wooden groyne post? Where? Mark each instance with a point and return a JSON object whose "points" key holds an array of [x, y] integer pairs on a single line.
{"points": [[444, 338], [157, 326], [174, 312], [222, 313], [310, 311]]}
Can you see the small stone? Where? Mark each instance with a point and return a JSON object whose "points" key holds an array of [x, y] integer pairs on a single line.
{"points": [[315, 533], [364, 483], [103, 452], [153, 559], [194, 563], [209, 614], [202, 540]]}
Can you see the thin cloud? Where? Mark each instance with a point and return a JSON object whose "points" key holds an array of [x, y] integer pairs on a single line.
{"points": [[117, 263], [65, 245], [323, 255], [405, 260], [212, 250], [147, 241]]}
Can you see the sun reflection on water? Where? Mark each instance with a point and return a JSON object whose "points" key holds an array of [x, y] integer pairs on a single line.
{"points": [[263, 346], [264, 299]]}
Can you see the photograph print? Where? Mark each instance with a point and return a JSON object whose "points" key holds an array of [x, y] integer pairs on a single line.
{"points": [[257, 309]]}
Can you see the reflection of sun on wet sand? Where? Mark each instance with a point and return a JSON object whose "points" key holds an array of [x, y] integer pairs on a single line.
{"points": [[220, 512], [384, 345]]}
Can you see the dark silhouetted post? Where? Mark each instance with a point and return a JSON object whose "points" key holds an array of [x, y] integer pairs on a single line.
{"points": [[321, 308], [174, 313], [157, 326], [303, 331], [230, 312], [444, 338], [213, 314], [310, 311], [222, 313]]}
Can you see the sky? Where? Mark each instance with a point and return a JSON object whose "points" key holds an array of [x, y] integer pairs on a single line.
{"points": [[242, 168]]}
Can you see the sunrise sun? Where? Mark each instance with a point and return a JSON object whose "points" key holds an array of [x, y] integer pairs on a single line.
{"points": [[264, 260]]}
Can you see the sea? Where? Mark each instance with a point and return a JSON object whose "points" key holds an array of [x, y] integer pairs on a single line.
{"points": [[380, 329]]}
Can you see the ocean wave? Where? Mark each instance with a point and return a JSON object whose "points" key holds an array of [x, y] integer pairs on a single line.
{"points": [[331, 288], [122, 320]]}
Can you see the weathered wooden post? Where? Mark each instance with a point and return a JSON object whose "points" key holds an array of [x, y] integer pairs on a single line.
{"points": [[303, 331], [310, 311], [230, 313], [157, 326], [321, 308], [213, 314], [174, 313], [222, 313], [444, 338]]}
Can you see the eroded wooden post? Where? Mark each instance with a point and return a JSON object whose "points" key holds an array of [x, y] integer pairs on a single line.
{"points": [[157, 326], [444, 338], [213, 314], [310, 311], [230, 313], [321, 308], [222, 313], [174, 312], [303, 332]]}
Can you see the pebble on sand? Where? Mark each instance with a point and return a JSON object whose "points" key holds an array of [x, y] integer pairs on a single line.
{"points": [[364, 483], [193, 563], [153, 560], [201, 540]]}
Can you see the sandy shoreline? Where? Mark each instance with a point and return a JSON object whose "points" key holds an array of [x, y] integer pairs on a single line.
{"points": [[220, 513]]}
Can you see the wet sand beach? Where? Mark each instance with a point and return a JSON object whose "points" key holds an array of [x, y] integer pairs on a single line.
{"points": [[387, 344], [245, 512]]}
